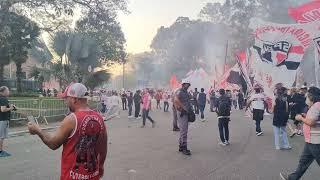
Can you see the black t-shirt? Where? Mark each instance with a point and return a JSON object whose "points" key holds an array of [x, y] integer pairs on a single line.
{"points": [[4, 116]]}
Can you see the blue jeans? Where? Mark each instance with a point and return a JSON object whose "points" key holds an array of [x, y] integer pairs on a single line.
{"points": [[130, 109], [145, 116], [258, 126], [280, 133], [201, 108]]}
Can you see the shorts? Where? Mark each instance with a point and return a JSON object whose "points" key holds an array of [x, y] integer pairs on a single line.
{"points": [[4, 129], [258, 114]]}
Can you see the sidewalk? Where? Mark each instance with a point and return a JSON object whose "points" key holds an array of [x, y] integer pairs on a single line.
{"points": [[21, 130]]}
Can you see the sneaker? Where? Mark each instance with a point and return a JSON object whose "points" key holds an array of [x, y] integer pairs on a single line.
{"points": [[203, 120], [186, 152], [180, 149], [299, 133], [277, 148], [284, 176], [227, 143], [4, 154], [142, 126], [293, 134], [222, 144], [260, 134]]}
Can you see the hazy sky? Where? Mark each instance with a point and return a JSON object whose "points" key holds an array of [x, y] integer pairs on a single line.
{"points": [[140, 26]]}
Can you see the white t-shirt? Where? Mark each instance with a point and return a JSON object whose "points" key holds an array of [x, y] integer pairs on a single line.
{"points": [[258, 101], [114, 101], [104, 99]]}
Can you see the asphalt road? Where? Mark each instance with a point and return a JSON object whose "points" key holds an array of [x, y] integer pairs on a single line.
{"points": [[151, 153]]}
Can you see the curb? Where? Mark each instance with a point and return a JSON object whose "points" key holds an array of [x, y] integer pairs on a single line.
{"points": [[22, 133]]}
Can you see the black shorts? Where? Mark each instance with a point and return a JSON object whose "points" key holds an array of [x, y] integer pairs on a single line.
{"points": [[258, 114]]}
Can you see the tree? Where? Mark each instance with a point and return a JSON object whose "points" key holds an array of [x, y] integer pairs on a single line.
{"points": [[96, 79], [187, 45], [4, 60], [107, 34], [40, 52], [59, 43], [82, 53], [54, 13], [18, 34]]}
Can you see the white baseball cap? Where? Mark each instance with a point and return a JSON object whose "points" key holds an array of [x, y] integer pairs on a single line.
{"points": [[185, 81], [76, 90]]}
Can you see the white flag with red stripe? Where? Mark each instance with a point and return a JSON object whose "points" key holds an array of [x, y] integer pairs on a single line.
{"points": [[278, 51]]}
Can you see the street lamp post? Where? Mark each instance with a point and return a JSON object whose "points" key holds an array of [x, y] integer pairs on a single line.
{"points": [[123, 73]]}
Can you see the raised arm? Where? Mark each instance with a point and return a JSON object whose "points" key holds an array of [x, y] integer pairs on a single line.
{"points": [[60, 136]]}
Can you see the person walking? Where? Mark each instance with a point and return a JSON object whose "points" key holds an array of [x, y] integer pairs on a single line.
{"points": [[137, 104], [258, 103], [240, 99], [299, 106], [104, 102], [158, 98], [82, 134], [124, 100], [182, 103], [130, 104], [202, 100], [235, 99], [146, 101], [223, 112], [311, 127], [213, 101], [280, 109], [166, 98], [195, 101], [114, 110], [5, 111]]}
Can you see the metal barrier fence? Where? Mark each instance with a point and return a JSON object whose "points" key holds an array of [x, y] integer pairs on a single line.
{"points": [[52, 108], [26, 107], [42, 108]]}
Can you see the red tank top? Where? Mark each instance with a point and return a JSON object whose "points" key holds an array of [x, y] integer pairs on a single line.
{"points": [[80, 155]]}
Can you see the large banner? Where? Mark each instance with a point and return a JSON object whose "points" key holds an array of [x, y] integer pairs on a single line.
{"points": [[306, 13], [278, 51]]}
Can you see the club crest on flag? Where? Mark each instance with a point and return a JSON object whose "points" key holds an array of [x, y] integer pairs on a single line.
{"points": [[275, 53]]}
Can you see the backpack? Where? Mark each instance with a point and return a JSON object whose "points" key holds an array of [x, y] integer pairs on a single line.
{"points": [[202, 99], [191, 117], [224, 107]]}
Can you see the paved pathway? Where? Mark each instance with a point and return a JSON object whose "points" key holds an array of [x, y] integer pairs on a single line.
{"points": [[151, 154]]}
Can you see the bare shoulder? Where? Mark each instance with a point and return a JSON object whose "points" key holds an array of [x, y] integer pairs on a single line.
{"points": [[69, 121]]}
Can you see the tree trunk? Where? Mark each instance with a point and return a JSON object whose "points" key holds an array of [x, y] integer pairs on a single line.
{"points": [[1, 73], [19, 78]]}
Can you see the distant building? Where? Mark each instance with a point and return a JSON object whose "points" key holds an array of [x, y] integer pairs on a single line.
{"points": [[10, 73]]}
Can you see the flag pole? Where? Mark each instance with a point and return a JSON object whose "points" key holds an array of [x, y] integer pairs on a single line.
{"points": [[316, 65], [225, 58]]}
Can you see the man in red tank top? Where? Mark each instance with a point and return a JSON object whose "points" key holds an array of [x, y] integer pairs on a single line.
{"points": [[83, 136]]}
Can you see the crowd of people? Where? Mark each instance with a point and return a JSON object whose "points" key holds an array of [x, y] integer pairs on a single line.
{"points": [[84, 137]]}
